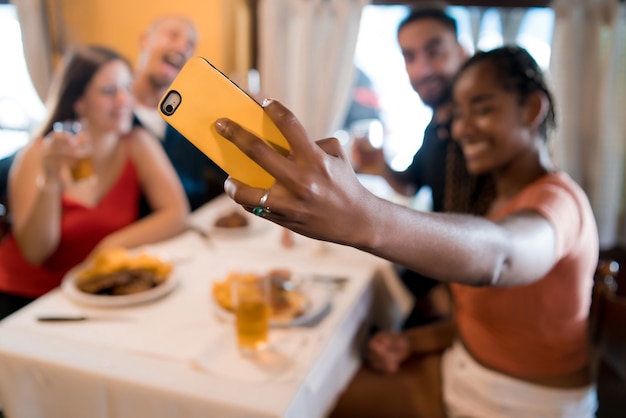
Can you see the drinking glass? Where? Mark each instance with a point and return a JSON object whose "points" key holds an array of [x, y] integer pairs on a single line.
{"points": [[82, 169], [250, 295], [367, 140]]}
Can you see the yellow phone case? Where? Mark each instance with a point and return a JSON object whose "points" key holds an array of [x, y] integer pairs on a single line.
{"points": [[199, 96]]}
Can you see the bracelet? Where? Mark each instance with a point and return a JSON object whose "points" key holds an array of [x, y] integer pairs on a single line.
{"points": [[43, 184]]}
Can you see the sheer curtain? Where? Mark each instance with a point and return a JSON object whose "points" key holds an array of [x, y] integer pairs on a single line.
{"points": [[33, 18], [306, 50], [510, 19], [588, 71]]}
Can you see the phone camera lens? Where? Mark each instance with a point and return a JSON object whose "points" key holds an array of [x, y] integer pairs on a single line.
{"points": [[170, 103]]}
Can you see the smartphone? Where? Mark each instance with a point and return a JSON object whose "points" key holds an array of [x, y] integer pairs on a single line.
{"points": [[199, 95]]}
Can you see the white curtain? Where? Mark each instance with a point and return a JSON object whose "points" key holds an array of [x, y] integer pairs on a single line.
{"points": [[476, 18], [33, 18], [588, 72], [511, 19], [306, 50]]}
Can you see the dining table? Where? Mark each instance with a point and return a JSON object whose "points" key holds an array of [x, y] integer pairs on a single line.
{"points": [[174, 355]]}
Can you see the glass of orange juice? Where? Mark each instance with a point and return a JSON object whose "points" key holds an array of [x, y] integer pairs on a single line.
{"points": [[250, 294]]}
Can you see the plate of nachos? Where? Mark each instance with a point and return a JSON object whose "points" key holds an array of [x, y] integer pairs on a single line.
{"points": [[119, 277]]}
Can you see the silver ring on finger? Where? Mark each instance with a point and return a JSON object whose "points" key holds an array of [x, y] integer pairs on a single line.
{"points": [[261, 208]]}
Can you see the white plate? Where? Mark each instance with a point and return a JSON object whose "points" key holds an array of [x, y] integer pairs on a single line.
{"points": [[68, 287], [318, 305]]}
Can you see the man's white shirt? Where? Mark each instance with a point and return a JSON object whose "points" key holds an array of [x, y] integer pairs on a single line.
{"points": [[151, 120]]}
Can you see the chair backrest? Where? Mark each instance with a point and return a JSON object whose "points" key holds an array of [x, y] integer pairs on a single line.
{"points": [[5, 167], [5, 219], [608, 320]]}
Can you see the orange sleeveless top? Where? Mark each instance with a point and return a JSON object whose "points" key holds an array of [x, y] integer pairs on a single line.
{"points": [[538, 330]]}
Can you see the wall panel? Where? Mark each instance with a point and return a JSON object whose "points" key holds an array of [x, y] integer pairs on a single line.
{"points": [[119, 24]]}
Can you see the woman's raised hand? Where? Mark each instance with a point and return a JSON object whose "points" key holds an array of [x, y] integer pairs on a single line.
{"points": [[61, 147]]}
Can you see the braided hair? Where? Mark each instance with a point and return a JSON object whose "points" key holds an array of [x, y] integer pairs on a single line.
{"points": [[517, 72], [465, 192]]}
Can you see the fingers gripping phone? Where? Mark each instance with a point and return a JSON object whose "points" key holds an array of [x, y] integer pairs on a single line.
{"points": [[201, 94]]}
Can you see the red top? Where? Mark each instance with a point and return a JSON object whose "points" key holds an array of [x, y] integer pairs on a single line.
{"points": [[82, 228], [539, 329]]}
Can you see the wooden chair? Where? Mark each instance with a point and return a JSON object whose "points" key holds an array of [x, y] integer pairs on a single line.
{"points": [[607, 322]]}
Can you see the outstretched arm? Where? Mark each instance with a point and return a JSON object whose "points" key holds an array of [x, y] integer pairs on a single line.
{"points": [[317, 194]]}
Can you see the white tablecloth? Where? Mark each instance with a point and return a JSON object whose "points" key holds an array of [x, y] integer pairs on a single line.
{"points": [[176, 356]]}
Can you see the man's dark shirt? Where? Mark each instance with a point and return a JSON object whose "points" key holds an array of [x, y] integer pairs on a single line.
{"points": [[427, 169], [201, 178], [429, 163]]}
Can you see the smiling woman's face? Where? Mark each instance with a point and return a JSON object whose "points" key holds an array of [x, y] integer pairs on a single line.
{"points": [[107, 102], [489, 122]]}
